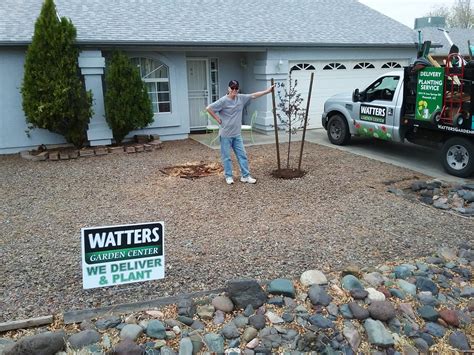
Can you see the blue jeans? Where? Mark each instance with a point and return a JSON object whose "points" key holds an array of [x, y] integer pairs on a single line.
{"points": [[237, 144]]}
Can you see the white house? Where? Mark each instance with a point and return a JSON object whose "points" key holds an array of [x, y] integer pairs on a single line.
{"points": [[188, 50]]}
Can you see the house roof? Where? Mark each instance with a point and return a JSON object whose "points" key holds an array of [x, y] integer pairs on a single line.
{"points": [[213, 23], [459, 36]]}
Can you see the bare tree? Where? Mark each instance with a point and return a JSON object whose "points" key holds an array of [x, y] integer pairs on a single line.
{"points": [[460, 15]]}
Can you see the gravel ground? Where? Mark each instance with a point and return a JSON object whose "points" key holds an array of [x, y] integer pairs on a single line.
{"points": [[339, 213]]}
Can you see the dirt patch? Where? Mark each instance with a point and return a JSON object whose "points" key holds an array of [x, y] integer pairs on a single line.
{"points": [[193, 170], [288, 173]]}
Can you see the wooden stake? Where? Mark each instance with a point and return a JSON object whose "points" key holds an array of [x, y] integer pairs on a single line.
{"points": [[306, 120], [276, 126]]}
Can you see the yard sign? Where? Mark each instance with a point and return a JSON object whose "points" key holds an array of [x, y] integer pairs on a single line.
{"points": [[122, 254]]}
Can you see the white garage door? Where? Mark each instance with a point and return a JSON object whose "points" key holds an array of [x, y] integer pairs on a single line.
{"points": [[334, 77]]}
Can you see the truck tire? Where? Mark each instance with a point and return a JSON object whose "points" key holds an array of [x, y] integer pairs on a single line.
{"points": [[338, 130], [458, 157]]}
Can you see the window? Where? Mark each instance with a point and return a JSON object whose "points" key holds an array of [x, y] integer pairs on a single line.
{"points": [[214, 79], [364, 65], [391, 65], [334, 66], [382, 89], [155, 74], [302, 66]]}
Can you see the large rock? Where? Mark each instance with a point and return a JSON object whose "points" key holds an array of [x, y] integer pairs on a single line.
{"points": [[358, 311], [47, 343], [321, 321], [377, 333], [244, 292], [185, 346], [109, 322]]}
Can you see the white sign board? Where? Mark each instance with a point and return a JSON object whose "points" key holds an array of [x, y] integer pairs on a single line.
{"points": [[116, 255]]}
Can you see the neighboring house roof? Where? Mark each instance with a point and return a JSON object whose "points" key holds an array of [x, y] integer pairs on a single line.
{"points": [[213, 22], [459, 36]]}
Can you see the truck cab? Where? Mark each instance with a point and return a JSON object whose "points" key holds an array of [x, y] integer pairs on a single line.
{"points": [[399, 106]]}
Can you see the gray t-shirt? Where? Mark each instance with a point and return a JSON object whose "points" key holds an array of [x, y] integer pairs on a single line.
{"points": [[230, 112]]}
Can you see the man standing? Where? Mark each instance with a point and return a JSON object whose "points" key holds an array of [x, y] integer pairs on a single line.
{"points": [[227, 111]]}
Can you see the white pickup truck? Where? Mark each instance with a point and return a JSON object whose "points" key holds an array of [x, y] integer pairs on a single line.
{"points": [[428, 106]]}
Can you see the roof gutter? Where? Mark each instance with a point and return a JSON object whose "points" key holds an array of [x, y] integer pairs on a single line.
{"points": [[224, 44]]}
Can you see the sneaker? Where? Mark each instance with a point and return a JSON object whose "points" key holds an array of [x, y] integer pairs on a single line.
{"points": [[248, 179], [229, 180]]}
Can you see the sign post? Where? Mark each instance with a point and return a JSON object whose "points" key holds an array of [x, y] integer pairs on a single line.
{"points": [[122, 254]]}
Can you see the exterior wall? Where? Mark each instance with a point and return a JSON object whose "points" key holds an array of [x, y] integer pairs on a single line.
{"points": [[13, 126], [173, 125]]}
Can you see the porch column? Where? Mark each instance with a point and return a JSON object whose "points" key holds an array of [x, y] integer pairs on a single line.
{"points": [[264, 71], [92, 66]]}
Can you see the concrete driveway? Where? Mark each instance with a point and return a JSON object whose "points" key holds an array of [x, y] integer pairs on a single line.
{"points": [[407, 155]]}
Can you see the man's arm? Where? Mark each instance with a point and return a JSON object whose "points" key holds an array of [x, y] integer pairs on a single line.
{"points": [[257, 94], [213, 114]]}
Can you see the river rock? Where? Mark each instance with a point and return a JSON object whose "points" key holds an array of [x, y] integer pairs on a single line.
{"points": [[109, 322], [223, 303], [84, 338], [320, 321], [407, 287], [214, 342], [358, 311], [435, 329], [156, 329], [282, 287], [428, 313], [257, 321], [127, 347], [374, 295], [377, 333], [230, 331], [185, 346], [381, 310], [131, 331], [459, 341], [313, 277], [350, 282], [374, 278], [425, 284], [319, 296], [249, 334], [352, 335], [450, 317]]}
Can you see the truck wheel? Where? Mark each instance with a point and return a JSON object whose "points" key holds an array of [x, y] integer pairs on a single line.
{"points": [[338, 131], [458, 157]]}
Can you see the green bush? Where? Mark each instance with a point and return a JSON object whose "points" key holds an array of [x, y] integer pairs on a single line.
{"points": [[54, 97], [127, 105]]}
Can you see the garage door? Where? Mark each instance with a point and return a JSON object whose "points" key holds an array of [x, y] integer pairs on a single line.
{"points": [[331, 77]]}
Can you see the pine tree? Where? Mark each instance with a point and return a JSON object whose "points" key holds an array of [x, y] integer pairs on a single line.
{"points": [[127, 104], [54, 97]]}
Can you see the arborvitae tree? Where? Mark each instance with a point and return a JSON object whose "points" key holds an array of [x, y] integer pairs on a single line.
{"points": [[127, 105], [54, 96]]}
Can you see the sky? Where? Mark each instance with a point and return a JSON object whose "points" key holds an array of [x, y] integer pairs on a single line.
{"points": [[405, 11]]}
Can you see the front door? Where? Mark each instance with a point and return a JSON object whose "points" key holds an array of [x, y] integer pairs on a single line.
{"points": [[198, 92]]}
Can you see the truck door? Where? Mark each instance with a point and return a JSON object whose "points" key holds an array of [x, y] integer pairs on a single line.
{"points": [[378, 111]]}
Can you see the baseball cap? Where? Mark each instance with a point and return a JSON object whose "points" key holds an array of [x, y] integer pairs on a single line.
{"points": [[233, 83]]}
